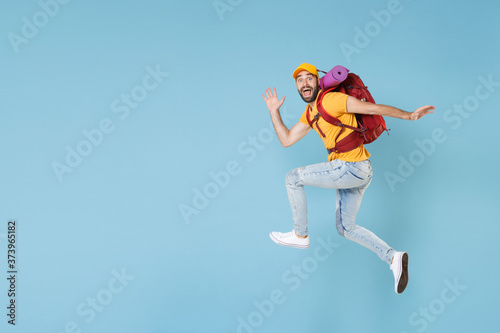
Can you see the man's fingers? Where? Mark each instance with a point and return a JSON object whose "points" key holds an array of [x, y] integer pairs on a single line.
{"points": [[271, 93], [421, 111], [267, 93], [428, 108]]}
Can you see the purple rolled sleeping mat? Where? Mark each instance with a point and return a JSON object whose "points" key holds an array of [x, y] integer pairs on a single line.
{"points": [[333, 78]]}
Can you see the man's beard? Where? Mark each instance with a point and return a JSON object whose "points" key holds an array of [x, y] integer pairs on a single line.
{"points": [[312, 97]]}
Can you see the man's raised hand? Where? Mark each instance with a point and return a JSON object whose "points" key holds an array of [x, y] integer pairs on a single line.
{"points": [[422, 111], [271, 98]]}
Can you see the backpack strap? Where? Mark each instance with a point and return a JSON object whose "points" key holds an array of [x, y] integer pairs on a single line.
{"points": [[314, 120], [351, 141], [329, 118]]}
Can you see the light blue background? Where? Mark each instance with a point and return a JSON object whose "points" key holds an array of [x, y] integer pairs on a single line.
{"points": [[119, 210]]}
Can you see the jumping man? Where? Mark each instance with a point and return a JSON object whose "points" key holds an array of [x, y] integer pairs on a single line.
{"points": [[349, 173]]}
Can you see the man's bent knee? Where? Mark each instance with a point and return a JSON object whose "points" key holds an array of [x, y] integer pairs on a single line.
{"points": [[292, 177], [344, 224], [338, 222], [340, 229]]}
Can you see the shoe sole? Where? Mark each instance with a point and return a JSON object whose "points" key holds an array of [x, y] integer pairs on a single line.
{"points": [[277, 241], [403, 279]]}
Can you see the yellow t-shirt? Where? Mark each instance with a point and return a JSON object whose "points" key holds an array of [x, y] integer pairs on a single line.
{"points": [[335, 104]]}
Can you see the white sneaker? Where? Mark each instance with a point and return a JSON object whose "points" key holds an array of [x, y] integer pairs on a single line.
{"points": [[289, 239], [399, 268]]}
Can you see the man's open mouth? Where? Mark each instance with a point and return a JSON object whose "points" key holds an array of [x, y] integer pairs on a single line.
{"points": [[307, 92]]}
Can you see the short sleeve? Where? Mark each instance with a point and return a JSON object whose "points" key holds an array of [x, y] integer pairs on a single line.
{"points": [[303, 118], [335, 103]]}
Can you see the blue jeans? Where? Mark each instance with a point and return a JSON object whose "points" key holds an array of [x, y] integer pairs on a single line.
{"points": [[350, 179]]}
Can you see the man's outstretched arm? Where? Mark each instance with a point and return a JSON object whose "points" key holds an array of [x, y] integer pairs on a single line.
{"points": [[354, 105], [286, 136]]}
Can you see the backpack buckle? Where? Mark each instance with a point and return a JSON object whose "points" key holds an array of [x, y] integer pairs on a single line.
{"points": [[333, 150]]}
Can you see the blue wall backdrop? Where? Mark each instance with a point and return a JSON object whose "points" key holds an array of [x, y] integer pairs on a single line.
{"points": [[140, 166]]}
